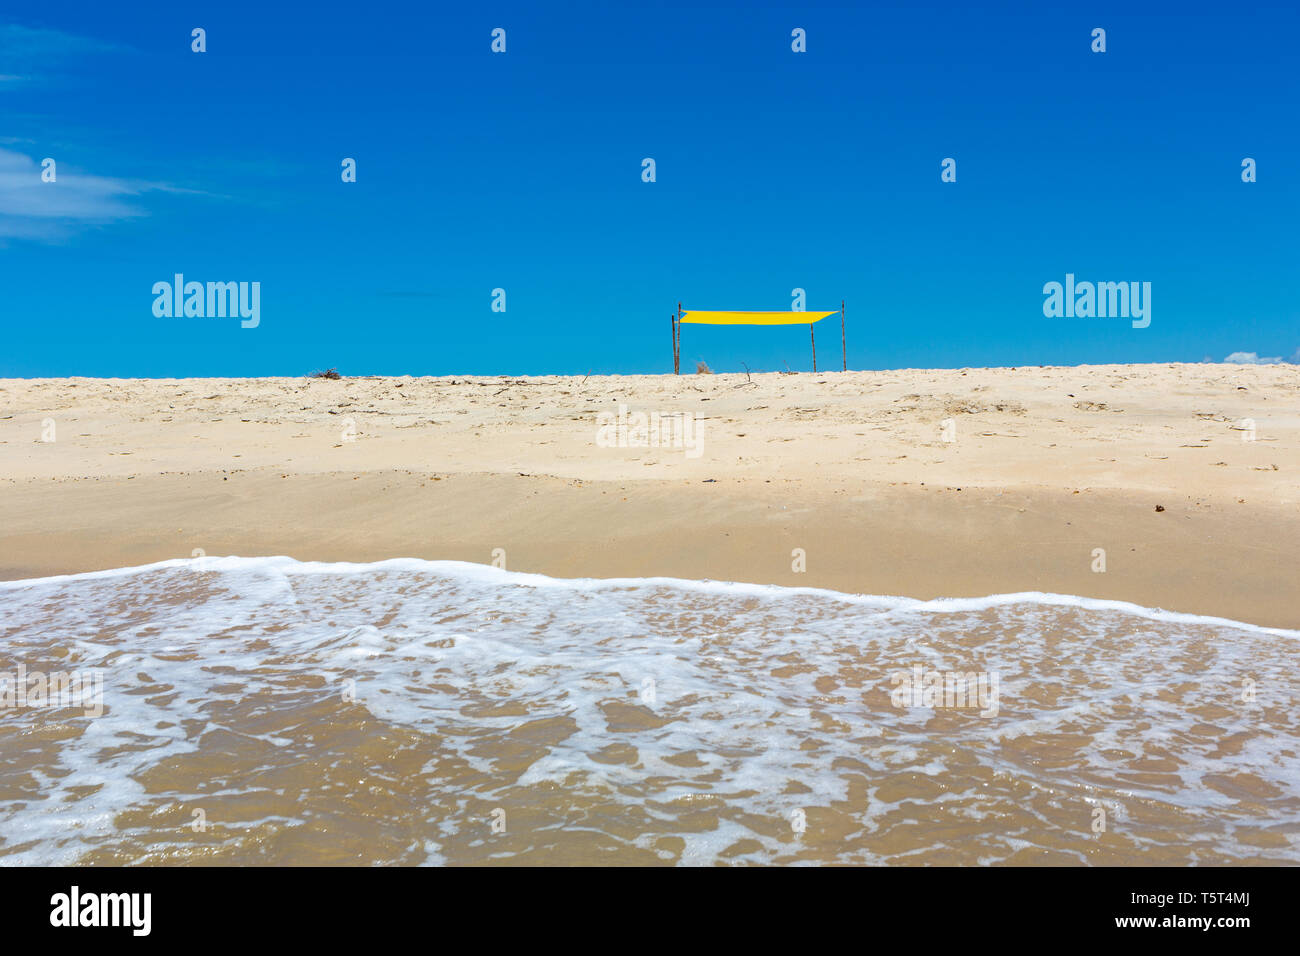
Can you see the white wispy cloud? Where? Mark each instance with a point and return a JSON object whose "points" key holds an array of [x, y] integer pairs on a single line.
{"points": [[27, 52], [33, 209], [20, 43]]}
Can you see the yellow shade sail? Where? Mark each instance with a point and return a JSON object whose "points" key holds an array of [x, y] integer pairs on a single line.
{"points": [[697, 317]]}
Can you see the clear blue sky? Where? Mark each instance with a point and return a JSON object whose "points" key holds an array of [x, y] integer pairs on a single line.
{"points": [[775, 170]]}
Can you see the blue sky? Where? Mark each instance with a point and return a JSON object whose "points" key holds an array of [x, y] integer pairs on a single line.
{"points": [[522, 171]]}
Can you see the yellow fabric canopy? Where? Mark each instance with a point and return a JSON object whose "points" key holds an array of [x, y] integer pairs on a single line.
{"points": [[697, 317]]}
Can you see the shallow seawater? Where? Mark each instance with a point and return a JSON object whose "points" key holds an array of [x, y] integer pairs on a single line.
{"points": [[262, 710]]}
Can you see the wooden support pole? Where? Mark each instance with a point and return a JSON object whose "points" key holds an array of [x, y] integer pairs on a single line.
{"points": [[677, 359], [813, 335], [672, 320], [843, 348]]}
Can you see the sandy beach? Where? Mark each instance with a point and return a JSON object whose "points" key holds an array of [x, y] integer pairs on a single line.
{"points": [[921, 483], [256, 658]]}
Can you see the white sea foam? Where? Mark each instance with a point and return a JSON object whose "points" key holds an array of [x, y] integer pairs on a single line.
{"points": [[224, 674]]}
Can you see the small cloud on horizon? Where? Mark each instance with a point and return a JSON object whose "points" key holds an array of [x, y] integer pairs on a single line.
{"points": [[1254, 358]]}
